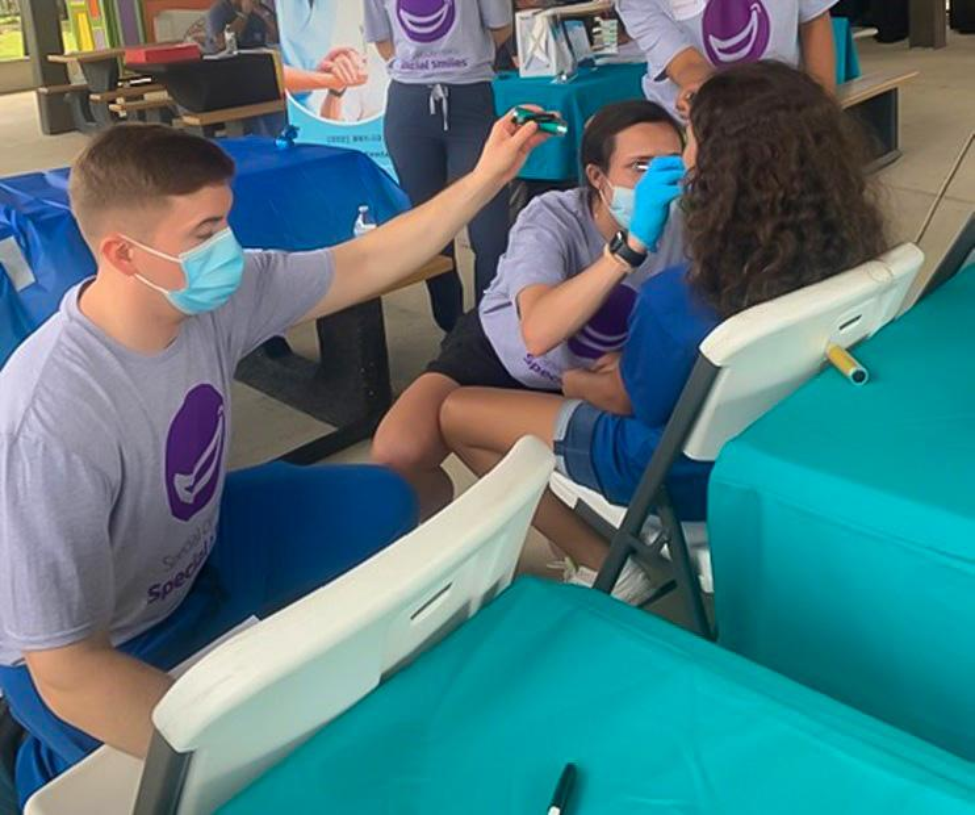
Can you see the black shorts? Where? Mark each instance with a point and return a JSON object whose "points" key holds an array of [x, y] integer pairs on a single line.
{"points": [[467, 357]]}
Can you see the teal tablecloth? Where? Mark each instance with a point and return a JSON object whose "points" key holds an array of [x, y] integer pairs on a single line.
{"points": [[594, 88], [847, 58], [577, 100], [657, 720], [842, 528]]}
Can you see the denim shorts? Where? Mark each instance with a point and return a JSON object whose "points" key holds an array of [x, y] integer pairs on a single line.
{"points": [[572, 442]]}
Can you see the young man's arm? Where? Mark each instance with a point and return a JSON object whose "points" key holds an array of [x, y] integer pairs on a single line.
{"points": [[819, 50], [369, 265], [552, 314], [101, 691]]}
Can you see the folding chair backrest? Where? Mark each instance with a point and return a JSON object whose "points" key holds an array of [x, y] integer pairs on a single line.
{"points": [[765, 353], [252, 700]]}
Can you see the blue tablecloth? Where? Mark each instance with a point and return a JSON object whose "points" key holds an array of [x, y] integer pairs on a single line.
{"points": [[842, 528], [305, 197], [594, 88], [658, 721]]}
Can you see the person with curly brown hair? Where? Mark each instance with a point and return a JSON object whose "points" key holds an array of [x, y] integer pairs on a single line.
{"points": [[775, 199]]}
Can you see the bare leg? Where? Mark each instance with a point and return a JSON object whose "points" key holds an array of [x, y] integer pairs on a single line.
{"points": [[482, 424], [408, 440]]}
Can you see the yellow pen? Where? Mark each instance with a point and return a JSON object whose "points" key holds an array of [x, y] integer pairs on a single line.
{"points": [[846, 364]]}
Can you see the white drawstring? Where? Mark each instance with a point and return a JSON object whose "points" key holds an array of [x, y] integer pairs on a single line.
{"points": [[440, 93]]}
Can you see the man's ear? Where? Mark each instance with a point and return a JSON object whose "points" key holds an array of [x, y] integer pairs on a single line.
{"points": [[118, 251]]}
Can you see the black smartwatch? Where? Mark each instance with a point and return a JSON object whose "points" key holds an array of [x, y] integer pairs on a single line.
{"points": [[618, 247]]}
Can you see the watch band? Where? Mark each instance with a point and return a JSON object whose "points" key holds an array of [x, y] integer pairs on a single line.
{"points": [[619, 248]]}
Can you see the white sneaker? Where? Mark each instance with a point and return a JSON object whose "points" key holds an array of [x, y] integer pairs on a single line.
{"points": [[633, 586]]}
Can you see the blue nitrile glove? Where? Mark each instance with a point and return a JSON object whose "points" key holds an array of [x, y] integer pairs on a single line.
{"points": [[659, 186]]}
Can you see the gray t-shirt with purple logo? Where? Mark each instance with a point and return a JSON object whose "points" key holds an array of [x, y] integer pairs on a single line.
{"points": [[438, 41], [554, 239], [112, 462], [725, 32]]}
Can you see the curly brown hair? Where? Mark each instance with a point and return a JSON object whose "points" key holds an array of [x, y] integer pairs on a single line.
{"points": [[778, 198]]}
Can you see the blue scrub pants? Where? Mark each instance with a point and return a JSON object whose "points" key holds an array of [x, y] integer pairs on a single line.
{"points": [[284, 531], [432, 147]]}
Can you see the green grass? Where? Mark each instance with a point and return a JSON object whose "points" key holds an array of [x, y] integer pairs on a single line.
{"points": [[11, 45]]}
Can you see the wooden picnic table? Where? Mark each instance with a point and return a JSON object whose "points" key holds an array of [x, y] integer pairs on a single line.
{"points": [[102, 69]]}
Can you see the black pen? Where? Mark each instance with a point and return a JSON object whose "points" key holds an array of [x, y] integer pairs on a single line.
{"points": [[560, 800]]}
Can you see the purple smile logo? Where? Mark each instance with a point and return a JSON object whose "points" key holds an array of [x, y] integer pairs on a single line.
{"points": [[608, 328], [426, 20], [194, 451], [735, 31]]}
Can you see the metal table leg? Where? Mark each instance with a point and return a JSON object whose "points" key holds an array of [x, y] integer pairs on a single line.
{"points": [[350, 388]]}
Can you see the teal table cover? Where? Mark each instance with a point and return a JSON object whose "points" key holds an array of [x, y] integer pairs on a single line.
{"points": [[657, 721], [593, 88], [847, 58], [842, 528]]}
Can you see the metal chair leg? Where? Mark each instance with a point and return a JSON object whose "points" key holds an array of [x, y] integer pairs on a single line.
{"points": [[619, 551], [687, 579]]}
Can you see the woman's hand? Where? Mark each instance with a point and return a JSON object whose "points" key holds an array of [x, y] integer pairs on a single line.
{"points": [[660, 185], [601, 386], [607, 362]]}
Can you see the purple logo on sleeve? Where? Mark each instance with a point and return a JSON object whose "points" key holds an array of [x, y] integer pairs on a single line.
{"points": [[194, 451], [608, 328], [426, 20], [735, 31]]}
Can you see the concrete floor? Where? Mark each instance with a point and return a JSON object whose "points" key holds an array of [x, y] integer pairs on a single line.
{"points": [[937, 114]]}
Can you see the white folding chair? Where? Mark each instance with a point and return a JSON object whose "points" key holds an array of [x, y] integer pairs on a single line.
{"points": [[256, 697], [746, 366]]}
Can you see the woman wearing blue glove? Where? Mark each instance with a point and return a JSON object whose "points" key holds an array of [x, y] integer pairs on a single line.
{"points": [[564, 290], [774, 199]]}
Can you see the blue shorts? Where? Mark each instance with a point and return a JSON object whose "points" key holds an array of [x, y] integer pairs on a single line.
{"points": [[284, 531], [572, 442]]}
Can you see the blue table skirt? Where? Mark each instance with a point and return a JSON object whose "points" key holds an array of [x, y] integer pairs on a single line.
{"points": [[842, 528], [302, 198], [658, 721]]}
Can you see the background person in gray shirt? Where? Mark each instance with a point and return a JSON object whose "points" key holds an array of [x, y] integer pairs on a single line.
{"points": [[560, 301], [125, 545], [439, 110], [685, 41]]}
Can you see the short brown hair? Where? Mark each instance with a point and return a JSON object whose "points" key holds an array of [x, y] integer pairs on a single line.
{"points": [[778, 198], [133, 166]]}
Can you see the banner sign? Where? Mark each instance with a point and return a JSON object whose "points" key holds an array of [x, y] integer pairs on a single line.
{"points": [[321, 42]]}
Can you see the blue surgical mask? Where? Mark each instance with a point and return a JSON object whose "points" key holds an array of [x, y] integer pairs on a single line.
{"points": [[213, 272], [621, 205]]}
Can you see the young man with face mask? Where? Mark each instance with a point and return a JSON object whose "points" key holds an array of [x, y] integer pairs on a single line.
{"points": [[564, 290], [125, 545]]}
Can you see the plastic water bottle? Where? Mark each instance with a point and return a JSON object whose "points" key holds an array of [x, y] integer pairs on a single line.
{"points": [[364, 223], [229, 41]]}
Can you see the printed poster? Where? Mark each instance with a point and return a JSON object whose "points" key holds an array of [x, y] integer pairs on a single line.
{"points": [[326, 37]]}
